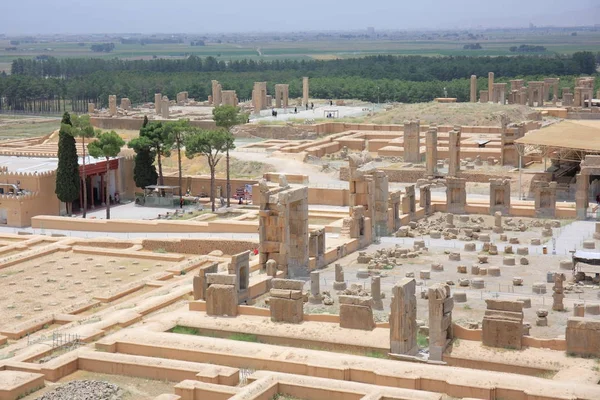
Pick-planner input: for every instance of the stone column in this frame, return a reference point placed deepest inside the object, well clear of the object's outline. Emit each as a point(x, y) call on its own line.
point(473, 88)
point(91, 108)
point(491, 86)
point(339, 283)
point(271, 268)
point(315, 288)
point(498, 222)
point(216, 93)
point(376, 292)
point(454, 152)
point(431, 156)
point(484, 96)
point(112, 105)
point(412, 147)
point(558, 294)
point(425, 198)
point(157, 103)
point(305, 91)
point(164, 108)
point(403, 318)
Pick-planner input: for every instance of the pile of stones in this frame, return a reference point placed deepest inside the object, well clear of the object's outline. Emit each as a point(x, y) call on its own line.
point(390, 257)
point(84, 390)
point(354, 290)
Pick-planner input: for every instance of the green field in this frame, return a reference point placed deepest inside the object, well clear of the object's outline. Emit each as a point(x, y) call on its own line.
point(16, 127)
point(494, 44)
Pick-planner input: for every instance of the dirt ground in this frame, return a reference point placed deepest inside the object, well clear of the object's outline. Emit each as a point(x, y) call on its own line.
point(496, 287)
point(133, 388)
point(58, 280)
point(452, 114)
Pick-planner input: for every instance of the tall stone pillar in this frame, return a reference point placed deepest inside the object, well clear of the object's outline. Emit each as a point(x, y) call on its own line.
point(112, 105)
point(431, 142)
point(339, 283)
point(216, 93)
point(305, 91)
point(454, 151)
point(491, 86)
point(91, 108)
point(376, 292)
point(412, 146)
point(403, 318)
point(425, 198)
point(581, 195)
point(157, 103)
point(473, 88)
point(164, 107)
point(440, 319)
point(315, 288)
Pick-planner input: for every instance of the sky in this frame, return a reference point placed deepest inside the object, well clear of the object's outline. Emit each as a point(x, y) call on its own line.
point(214, 16)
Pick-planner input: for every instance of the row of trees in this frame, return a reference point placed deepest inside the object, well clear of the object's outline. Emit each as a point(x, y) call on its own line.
point(49, 95)
point(416, 68)
point(105, 145)
point(155, 142)
point(158, 139)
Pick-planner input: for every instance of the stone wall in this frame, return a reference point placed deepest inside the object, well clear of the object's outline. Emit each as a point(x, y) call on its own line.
point(134, 124)
point(199, 246)
point(583, 337)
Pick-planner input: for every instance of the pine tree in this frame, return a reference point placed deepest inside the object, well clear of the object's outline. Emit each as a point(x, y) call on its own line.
point(144, 170)
point(67, 173)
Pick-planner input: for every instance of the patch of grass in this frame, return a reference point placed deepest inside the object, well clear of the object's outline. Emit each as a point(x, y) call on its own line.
point(160, 250)
point(185, 330)
point(456, 343)
point(32, 390)
point(422, 340)
point(375, 354)
point(244, 337)
point(467, 307)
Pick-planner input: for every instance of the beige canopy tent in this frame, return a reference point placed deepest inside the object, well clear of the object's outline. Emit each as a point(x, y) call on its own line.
point(567, 140)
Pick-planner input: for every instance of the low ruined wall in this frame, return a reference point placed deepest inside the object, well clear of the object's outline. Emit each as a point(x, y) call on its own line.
point(199, 246)
point(135, 124)
point(475, 335)
point(200, 184)
point(137, 226)
point(288, 132)
point(493, 366)
point(330, 197)
point(291, 178)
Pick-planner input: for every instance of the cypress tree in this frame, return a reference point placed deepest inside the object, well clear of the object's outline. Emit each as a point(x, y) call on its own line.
point(144, 171)
point(67, 172)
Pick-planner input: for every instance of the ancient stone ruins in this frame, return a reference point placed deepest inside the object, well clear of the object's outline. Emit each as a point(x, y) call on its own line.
point(418, 260)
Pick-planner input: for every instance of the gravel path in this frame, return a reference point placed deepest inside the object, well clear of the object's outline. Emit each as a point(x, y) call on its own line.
point(84, 390)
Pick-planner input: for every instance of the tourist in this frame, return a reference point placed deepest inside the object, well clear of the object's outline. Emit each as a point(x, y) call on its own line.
point(598, 199)
point(181, 202)
point(295, 110)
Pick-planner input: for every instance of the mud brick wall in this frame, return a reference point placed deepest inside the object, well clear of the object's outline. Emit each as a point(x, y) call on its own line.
point(199, 246)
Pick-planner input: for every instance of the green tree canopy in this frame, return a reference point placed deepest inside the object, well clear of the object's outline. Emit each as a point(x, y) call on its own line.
point(211, 144)
point(107, 145)
point(67, 172)
point(156, 138)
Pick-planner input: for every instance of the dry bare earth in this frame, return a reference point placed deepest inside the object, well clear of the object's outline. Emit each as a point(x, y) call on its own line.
point(453, 114)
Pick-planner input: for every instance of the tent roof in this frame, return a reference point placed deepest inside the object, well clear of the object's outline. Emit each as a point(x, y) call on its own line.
point(566, 134)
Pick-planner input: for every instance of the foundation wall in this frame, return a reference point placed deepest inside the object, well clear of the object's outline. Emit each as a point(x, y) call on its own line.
point(135, 124)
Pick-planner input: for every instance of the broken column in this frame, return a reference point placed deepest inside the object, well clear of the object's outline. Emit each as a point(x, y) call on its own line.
point(456, 195)
point(305, 91)
point(125, 104)
point(91, 108)
point(473, 89)
point(503, 324)
point(157, 103)
point(431, 142)
point(412, 146)
point(491, 86)
point(356, 312)
point(315, 288)
point(454, 151)
point(558, 294)
point(409, 205)
point(425, 198)
point(545, 199)
point(380, 198)
point(500, 196)
point(376, 292)
point(498, 222)
point(483, 96)
point(403, 318)
point(441, 304)
point(216, 93)
point(286, 303)
point(112, 105)
point(164, 107)
point(339, 283)
point(271, 266)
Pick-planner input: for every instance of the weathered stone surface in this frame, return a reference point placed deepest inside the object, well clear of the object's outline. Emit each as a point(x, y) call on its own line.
point(583, 337)
point(221, 300)
point(286, 310)
point(503, 324)
point(356, 317)
point(287, 284)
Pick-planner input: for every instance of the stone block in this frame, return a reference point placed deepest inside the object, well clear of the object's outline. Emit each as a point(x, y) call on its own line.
point(221, 279)
point(539, 288)
point(286, 310)
point(366, 301)
point(475, 269)
point(494, 271)
point(517, 281)
point(589, 244)
point(437, 267)
point(508, 260)
point(579, 310)
point(221, 300)
point(482, 259)
point(523, 251)
point(425, 274)
point(287, 284)
point(535, 242)
point(583, 337)
point(524, 261)
point(477, 283)
point(461, 269)
point(454, 256)
point(470, 247)
point(483, 271)
point(460, 297)
point(356, 317)
point(484, 237)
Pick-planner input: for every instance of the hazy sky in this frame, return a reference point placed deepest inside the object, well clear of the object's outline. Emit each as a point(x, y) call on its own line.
point(200, 16)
